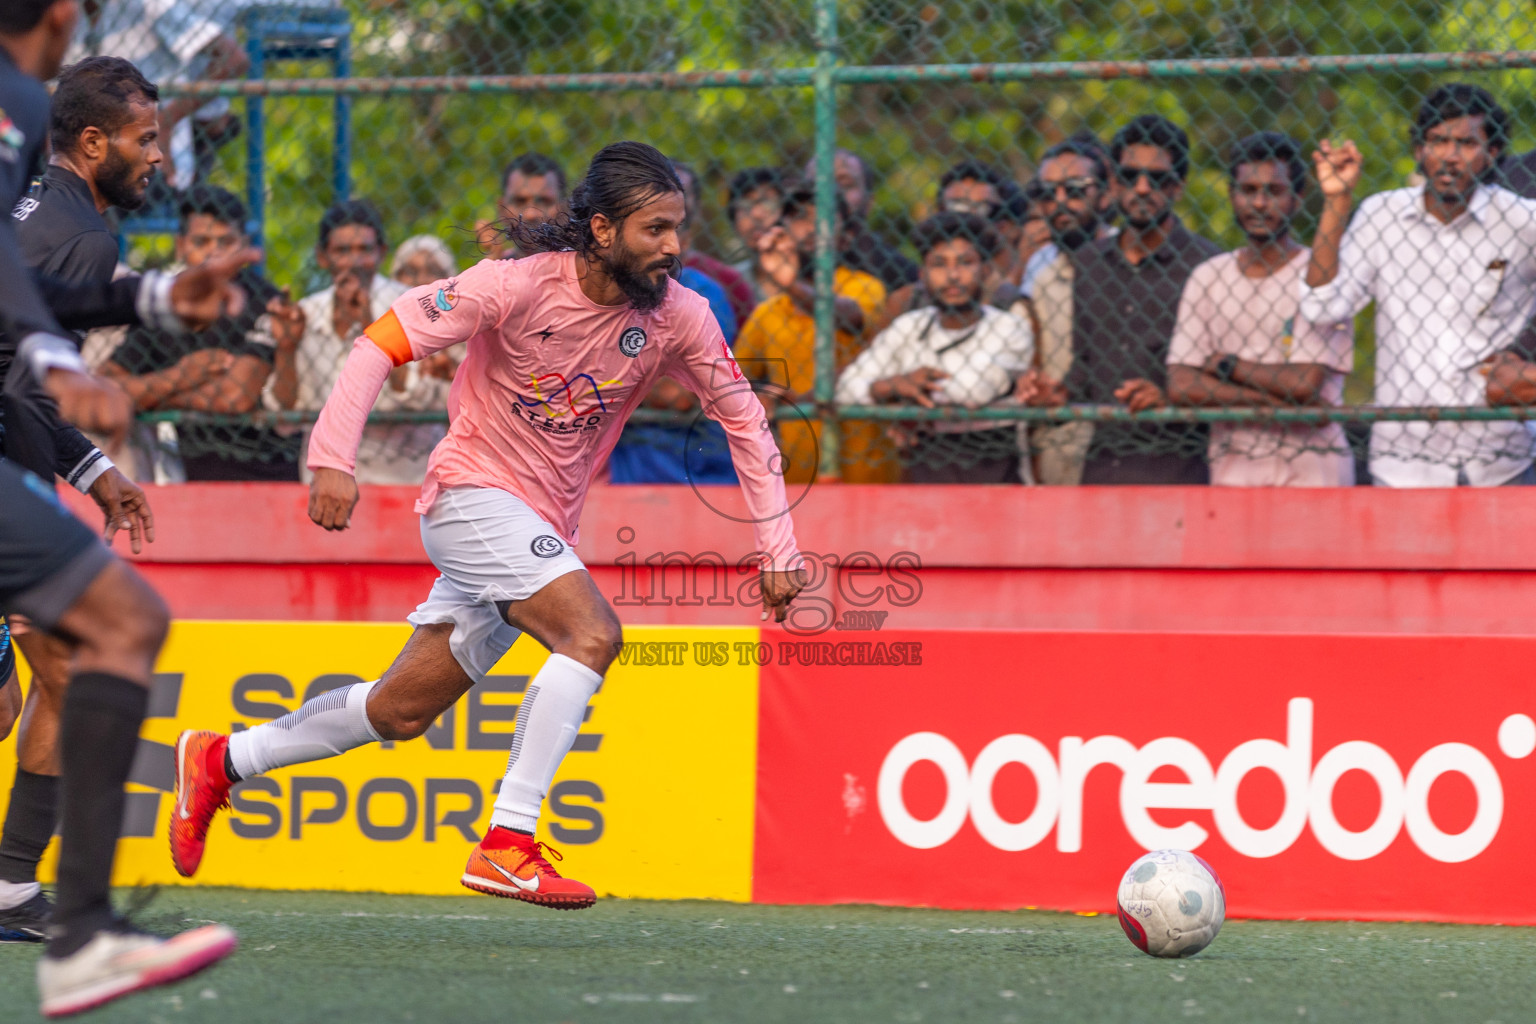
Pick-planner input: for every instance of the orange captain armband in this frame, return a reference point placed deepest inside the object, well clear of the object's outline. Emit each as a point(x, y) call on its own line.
point(387, 333)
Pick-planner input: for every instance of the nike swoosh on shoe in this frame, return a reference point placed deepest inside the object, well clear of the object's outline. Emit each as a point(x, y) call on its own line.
point(523, 884)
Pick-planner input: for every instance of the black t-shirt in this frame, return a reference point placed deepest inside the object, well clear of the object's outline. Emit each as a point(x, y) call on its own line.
point(61, 233)
point(1123, 316)
point(34, 435)
point(211, 451)
point(1518, 174)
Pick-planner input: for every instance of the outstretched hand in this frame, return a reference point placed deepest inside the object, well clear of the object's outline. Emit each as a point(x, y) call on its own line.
point(123, 507)
point(205, 293)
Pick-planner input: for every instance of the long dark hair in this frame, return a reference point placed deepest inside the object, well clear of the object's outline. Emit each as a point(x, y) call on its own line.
point(622, 178)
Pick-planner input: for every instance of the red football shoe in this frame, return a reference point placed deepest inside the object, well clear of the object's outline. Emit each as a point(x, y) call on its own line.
point(512, 865)
point(202, 788)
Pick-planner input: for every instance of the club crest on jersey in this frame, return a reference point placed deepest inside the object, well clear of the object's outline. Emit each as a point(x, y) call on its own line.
point(632, 341)
point(546, 546)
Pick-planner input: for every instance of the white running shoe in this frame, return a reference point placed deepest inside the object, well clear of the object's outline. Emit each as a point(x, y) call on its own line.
point(122, 959)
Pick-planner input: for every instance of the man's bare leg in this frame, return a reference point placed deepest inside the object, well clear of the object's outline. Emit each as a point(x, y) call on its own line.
point(569, 616)
point(37, 745)
point(423, 682)
point(10, 702)
point(117, 627)
point(33, 811)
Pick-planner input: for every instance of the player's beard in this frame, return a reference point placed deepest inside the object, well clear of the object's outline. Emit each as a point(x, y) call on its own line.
point(633, 276)
point(117, 182)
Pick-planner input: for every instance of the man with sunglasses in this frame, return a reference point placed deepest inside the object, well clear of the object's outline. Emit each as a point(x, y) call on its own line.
point(1125, 299)
point(1071, 194)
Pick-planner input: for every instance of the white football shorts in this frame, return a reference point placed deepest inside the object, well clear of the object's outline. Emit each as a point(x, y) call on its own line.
point(489, 546)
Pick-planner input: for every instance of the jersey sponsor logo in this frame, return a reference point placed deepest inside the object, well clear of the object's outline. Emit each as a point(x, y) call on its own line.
point(632, 341)
point(570, 390)
point(447, 296)
point(546, 546)
point(25, 207)
point(562, 405)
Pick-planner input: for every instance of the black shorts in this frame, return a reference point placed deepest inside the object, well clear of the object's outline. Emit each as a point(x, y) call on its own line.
point(47, 556)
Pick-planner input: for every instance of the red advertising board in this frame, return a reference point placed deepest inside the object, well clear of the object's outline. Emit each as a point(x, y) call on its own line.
point(1323, 776)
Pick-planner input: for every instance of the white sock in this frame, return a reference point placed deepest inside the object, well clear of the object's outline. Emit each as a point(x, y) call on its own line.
point(14, 894)
point(547, 722)
point(324, 727)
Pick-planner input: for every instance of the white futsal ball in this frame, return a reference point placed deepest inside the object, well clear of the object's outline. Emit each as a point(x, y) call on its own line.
point(1171, 903)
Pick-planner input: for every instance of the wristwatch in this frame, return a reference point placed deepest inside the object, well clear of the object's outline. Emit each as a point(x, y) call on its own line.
point(1226, 366)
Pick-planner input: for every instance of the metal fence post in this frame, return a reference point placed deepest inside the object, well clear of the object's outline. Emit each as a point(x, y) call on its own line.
point(824, 85)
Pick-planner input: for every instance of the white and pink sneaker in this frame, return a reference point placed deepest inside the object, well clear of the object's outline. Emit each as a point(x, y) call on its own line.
point(122, 959)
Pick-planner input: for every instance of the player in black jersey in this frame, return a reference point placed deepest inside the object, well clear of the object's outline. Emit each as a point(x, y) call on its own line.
point(58, 573)
point(104, 127)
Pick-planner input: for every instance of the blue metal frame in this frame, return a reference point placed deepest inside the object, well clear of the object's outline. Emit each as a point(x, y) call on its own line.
point(295, 33)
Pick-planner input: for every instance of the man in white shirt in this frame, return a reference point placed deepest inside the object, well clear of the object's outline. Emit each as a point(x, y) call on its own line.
point(313, 343)
point(957, 352)
point(1240, 342)
point(1452, 269)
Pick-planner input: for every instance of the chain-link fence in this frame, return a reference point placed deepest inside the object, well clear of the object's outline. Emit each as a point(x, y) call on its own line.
point(991, 241)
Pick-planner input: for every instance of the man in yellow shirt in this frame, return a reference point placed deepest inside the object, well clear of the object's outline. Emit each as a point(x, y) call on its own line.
point(778, 345)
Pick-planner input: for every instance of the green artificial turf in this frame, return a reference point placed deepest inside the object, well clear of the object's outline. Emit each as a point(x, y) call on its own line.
point(334, 958)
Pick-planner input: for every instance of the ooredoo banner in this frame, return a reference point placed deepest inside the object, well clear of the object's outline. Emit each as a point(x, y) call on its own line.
point(654, 801)
point(1378, 777)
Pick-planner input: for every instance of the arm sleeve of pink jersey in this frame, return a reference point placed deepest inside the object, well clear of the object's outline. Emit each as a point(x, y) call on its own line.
point(333, 443)
point(434, 316)
point(422, 321)
point(707, 368)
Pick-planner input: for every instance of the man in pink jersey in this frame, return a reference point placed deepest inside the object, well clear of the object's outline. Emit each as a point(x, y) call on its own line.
point(563, 344)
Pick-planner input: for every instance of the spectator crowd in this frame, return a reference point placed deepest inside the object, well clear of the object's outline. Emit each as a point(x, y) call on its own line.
point(1078, 287)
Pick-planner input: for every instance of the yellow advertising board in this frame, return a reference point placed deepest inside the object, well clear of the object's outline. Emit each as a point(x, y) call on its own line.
point(654, 801)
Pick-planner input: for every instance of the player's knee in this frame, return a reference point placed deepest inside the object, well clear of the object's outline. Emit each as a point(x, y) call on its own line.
point(404, 722)
point(398, 726)
point(146, 623)
point(597, 644)
point(10, 710)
